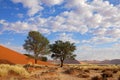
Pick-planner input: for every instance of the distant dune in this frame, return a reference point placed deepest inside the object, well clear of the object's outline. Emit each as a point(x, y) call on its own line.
point(13, 57)
point(67, 61)
point(113, 61)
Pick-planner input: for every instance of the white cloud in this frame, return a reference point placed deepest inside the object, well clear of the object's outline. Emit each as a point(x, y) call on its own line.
point(23, 27)
point(20, 27)
point(32, 5)
point(82, 18)
point(99, 32)
point(91, 53)
point(104, 8)
point(66, 37)
point(94, 21)
point(100, 40)
point(115, 33)
point(74, 3)
point(2, 21)
point(71, 23)
point(105, 35)
point(52, 2)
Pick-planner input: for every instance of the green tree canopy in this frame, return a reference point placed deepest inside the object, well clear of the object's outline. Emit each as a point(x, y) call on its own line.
point(62, 50)
point(37, 44)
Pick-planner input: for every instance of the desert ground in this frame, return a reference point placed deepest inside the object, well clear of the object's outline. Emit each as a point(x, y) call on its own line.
point(54, 72)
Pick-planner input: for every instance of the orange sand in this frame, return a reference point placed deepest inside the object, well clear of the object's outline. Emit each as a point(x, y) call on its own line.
point(17, 58)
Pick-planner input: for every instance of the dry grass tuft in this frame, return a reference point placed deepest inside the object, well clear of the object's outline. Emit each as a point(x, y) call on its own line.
point(107, 74)
point(119, 78)
point(96, 78)
point(72, 71)
point(6, 69)
point(83, 75)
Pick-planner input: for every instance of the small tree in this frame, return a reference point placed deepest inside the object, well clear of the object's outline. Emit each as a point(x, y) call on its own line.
point(62, 50)
point(36, 43)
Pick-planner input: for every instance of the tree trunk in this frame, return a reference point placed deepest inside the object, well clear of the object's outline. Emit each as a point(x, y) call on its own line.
point(35, 61)
point(61, 63)
point(36, 57)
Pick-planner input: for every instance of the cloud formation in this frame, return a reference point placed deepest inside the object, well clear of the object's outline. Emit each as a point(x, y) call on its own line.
point(67, 37)
point(99, 18)
point(52, 2)
point(90, 53)
point(32, 5)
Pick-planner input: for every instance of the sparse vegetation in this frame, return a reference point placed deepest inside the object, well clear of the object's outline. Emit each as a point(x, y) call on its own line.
point(3, 72)
point(83, 75)
point(6, 69)
point(68, 72)
point(107, 74)
point(72, 71)
point(96, 78)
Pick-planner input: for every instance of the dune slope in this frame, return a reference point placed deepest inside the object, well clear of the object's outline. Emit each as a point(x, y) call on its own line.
point(17, 58)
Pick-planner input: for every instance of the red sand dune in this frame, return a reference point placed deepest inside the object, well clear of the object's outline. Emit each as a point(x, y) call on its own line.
point(17, 58)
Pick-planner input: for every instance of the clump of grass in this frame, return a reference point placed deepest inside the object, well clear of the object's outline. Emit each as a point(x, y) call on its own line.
point(20, 70)
point(119, 78)
point(5, 69)
point(72, 71)
point(3, 72)
point(107, 74)
point(83, 76)
point(87, 70)
point(115, 70)
point(96, 78)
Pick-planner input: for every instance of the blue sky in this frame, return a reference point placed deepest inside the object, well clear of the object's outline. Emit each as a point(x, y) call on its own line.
point(93, 25)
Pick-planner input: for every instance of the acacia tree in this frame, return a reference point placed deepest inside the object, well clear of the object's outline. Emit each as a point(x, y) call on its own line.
point(62, 50)
point(37, 44)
